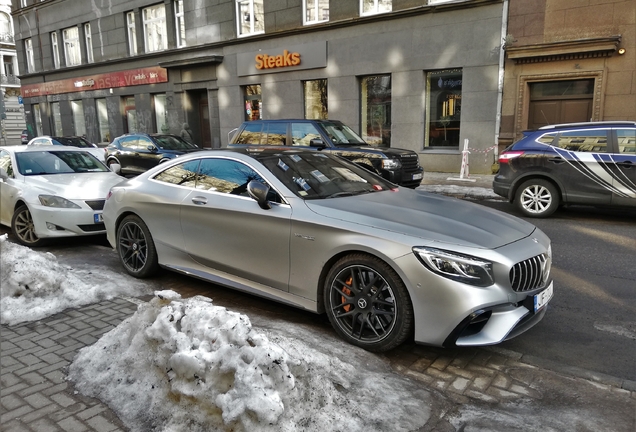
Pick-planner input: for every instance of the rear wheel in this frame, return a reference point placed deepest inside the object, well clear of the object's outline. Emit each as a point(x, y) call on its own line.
point(537, 198)
point(23, 228)
point(136, 248)
point(367, 303)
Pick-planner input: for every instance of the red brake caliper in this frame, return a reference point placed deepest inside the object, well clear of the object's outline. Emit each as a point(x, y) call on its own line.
point(347, 291)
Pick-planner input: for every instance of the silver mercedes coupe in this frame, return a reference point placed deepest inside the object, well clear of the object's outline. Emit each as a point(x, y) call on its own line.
point(318, 232)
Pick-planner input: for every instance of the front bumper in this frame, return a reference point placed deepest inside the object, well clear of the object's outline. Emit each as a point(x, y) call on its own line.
point(59, 222)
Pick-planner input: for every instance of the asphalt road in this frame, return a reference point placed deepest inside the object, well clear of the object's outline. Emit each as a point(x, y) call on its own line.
point(591, 321)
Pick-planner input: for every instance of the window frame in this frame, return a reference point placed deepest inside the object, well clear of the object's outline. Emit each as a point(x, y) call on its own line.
point(385, 115)
point(376, 8)
point(433, 98)
point(88, 40)
point(154, 23)
point(55, 47)
point(72, 51)
point(316, 8)
point(29, 54)
point(252, 17)
point(131, 31)
point(179, 23)
point(306, 101)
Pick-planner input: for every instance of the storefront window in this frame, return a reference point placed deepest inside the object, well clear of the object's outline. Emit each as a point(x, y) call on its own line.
point(443, 108)
point(57, 119)
point(78, 117)
point(131, 114)
point(155, 28)
point(375, 105)
point(72, 53)
point(253, 102)
point(316, 11)
point(161, 114)
point(315, 92)
point(250, 17)
point(37, 117)
point(372, 7)
point(102, 120)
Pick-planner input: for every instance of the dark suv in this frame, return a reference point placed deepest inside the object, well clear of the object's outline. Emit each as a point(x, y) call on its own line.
point(138, 152)
point(399, 166)
point(578, 163)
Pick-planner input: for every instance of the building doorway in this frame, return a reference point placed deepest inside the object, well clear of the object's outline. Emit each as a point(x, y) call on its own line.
point(555, 102)
point(204, 121)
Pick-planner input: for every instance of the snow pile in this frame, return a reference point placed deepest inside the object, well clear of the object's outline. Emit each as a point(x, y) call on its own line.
point(34, 285)
point(187, 365)
point(475, 192)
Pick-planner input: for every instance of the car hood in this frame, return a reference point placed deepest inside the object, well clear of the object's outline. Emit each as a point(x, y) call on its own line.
point(427, 216)
point(388, 151)
point(75, 186)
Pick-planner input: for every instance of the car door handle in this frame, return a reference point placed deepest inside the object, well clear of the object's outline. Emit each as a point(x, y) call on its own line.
point(625, 164)
point(557, 160)
point(199, 200)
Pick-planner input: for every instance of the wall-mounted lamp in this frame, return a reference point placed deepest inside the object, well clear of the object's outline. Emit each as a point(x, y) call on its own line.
point(111, 91)
point(621, 51)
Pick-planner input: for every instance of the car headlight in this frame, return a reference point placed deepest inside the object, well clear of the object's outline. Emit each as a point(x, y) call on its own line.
point(391, 164)
point(58, 202)
point(462, 268)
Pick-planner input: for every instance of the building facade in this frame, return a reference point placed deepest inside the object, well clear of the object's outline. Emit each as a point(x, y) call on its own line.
point(416, 74)
point(567, 62)
point(12, 121)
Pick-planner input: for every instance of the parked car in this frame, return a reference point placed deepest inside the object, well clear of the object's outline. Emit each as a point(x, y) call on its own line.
point(316, 231)
point(399, 166)
point(52, 191)
point(138, 152)
point(590, 163)
point(24, 137)
point(73, 141)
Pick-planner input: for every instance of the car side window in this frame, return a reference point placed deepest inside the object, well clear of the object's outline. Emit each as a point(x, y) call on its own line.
point(547, 138)
point(184, 174)
point(277, 134)
point(251, 134)
point(626, 141)
point(5, 162)
point(226, 176)
point(590, 140)
point(303, 133)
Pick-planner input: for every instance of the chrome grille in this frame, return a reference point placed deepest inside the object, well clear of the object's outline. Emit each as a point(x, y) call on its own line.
point(96, 204)
point(530, 274)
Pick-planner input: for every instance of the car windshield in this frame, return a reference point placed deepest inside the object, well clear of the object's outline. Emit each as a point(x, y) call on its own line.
point(341, 134)
point(170, 142)
point(315, 175)
point(57, 162)
point(71, 141)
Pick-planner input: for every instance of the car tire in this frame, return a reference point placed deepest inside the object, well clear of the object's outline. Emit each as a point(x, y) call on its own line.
point(537, 198)
point(367, 303)
point(23, 228)
point(135, 248)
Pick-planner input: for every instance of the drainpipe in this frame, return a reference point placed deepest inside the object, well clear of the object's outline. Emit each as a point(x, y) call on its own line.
point(500, 83)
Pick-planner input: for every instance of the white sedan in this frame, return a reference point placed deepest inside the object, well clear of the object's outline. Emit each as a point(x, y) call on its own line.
point(73, 141)
point(52, 191)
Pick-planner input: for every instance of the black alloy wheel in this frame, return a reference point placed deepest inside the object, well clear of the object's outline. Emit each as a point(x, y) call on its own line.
point(136, 248)
point(23, 227)
point(367, 303)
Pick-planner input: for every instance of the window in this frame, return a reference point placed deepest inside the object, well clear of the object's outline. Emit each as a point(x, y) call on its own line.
point(56, 50)
point(626, 141)
point(253, 102)
point(226, 176)
point(303, 133)
point(132, 33)
point(131, 114)
point(372, 7)
point(250, 17)
point(184, 174)
point(315, 94)
point(251, 134)
point(37, 118)
point(57, 118)
point(8, 66)
point(315, 11)
point(443, 108)
point(5, 26)
point(28, 50)
point(376, 110)
point(88, 38)
point(179, 23)
point(72, 52)
point(161, 115)
point(154, 18)
point(102, 120)
point(78, 117)
point(589, 141)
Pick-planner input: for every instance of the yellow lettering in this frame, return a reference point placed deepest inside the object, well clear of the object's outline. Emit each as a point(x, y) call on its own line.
point(295, 59)
point(259, 61)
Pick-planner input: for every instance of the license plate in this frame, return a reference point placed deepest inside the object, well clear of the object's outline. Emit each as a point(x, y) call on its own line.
point(98, 218)
point(542, 299)
point(417, 176)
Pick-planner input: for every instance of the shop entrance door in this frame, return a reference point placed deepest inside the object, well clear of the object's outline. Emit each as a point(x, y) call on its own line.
point(204, 121)
point(557, 102)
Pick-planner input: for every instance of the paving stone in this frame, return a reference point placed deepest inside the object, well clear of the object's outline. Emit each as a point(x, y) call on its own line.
point(501, 394)
point(441, 362)
point(459, 385)
point(15, 426)
point(100, 424)
point(481, 383)
point(69, 411)
point(439, 374)
point(91, 412)
point(30, 369)
point(45, 425)
point(497, 361)
point(28, 359)
point(37, 400)
point(13, 389)
point(59, 365)
point(526, 391)
point(481, 358)
point(525, 375)
point(33, 378)
point(16, 413)
point(26, 344)
point(461, 372)
point(50, 358)
point(421, 364)
point(481, 396)
point(55, 389)
point(501, 381)
point(34, 389)
point(6, 346)
point(63, 400)
point(9, 379)
point(11, 402)
point(71, 424)
point(7, 360)
point(41, 412)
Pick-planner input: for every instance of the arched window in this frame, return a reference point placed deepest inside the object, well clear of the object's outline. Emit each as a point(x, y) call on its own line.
point(5, 25)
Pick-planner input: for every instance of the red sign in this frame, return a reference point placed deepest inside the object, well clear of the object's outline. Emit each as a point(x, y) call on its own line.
point(150, 75)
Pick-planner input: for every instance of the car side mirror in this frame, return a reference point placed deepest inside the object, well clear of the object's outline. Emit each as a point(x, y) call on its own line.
point(116, 168)
point(317, 143)
point(258, 191)
point(152, 148)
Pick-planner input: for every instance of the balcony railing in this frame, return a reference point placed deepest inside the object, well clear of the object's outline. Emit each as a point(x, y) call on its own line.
point(10, 79)
point(7, 37)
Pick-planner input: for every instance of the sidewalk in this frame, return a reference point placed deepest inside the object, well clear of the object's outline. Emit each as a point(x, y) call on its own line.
point(474, 187)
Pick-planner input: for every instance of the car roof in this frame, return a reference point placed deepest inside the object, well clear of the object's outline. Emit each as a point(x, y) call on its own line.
point(294, 120)
point(588, 124)
point(23, 148)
